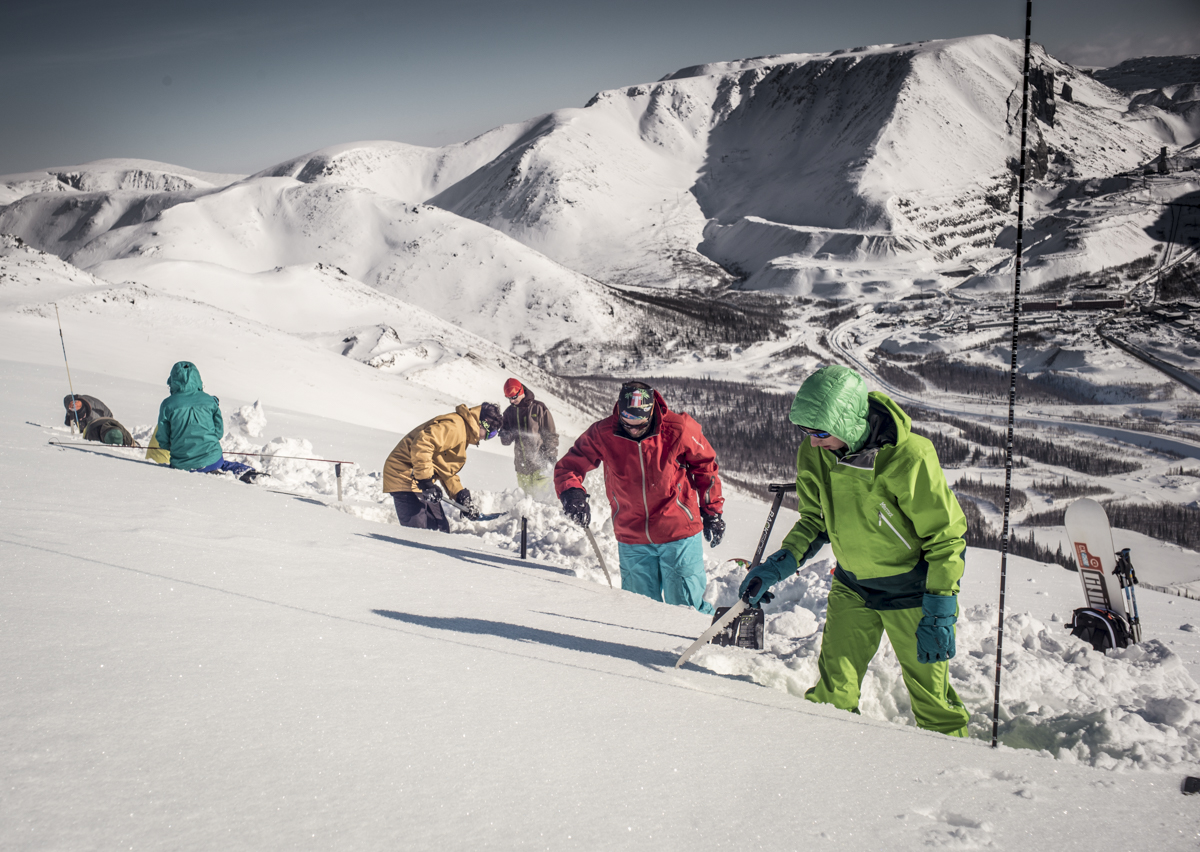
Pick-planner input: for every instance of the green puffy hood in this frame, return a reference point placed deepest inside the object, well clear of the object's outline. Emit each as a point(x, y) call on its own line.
point(834, 400)
point(185, 378)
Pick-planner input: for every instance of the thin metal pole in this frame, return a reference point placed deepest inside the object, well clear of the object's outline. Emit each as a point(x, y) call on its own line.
point(337, 471)
point(226, 452)
point(70, 385)
point(1012, 374)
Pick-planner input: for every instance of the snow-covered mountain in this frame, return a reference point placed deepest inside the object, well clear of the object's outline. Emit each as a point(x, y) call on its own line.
point(828, 173)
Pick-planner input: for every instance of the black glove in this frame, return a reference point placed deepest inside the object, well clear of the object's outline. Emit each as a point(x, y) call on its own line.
point(463, 498)
point(754, 585)
point(507, 436)
point(575, 506)
point(714, 529)
point(430, 492)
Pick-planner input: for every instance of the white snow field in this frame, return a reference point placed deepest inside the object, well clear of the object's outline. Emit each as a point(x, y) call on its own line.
point(194, 663)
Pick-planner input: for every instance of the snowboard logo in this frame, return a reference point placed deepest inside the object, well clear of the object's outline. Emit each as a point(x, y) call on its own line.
point(1086, 559)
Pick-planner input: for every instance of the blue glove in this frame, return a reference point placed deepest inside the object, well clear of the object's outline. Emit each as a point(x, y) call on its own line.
point(935, 630)
point(778, 566)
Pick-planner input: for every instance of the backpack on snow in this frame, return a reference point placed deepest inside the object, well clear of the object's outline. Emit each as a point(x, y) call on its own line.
point(1100, 628)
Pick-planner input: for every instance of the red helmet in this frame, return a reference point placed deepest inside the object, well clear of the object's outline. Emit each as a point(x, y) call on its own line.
point(513, 388)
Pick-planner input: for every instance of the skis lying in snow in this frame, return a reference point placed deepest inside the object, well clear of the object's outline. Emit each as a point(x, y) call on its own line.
point(101, 449)
point(752, 625)
point(1107, 577)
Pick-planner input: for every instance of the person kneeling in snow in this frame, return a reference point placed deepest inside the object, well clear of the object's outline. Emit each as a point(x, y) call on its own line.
point(877, 493)
point(437, 449)
point(95, 421)
point(82, 409)
point(661, 478)
point(190, 427)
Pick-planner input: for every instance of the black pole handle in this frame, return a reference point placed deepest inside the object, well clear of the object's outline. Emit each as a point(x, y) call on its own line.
point(779, 489)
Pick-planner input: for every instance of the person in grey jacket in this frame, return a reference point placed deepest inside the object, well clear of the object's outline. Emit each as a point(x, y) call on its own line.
point(529, 425)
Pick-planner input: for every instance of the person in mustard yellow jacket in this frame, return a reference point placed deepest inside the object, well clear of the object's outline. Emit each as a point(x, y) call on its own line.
point(435, 452)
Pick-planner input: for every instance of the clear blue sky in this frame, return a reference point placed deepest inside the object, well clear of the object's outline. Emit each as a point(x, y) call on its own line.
point(238, 86)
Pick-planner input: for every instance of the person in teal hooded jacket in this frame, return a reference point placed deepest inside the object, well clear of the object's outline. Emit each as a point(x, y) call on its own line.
point(877, 494)
point(190, 426)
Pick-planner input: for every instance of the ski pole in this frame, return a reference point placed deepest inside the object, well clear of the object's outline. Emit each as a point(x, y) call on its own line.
point(296, 458)
point(70, 385)
point(1012, 373)
point(225, 452)
point(1128, 579)
point(599, 555)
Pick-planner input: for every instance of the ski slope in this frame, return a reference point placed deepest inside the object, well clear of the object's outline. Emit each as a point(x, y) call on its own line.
point(195, 662)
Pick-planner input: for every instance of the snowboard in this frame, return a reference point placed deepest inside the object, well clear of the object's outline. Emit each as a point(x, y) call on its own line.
point(1091, 541)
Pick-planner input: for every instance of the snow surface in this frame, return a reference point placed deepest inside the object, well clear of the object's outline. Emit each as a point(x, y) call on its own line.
point(194, 662)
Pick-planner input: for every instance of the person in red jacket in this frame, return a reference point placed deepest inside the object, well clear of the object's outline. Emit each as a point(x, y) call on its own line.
point(660, 475)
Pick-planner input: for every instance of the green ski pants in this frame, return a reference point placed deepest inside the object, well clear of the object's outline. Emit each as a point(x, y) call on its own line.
point(851, 638)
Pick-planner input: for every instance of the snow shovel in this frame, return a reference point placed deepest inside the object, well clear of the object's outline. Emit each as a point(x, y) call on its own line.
point(744, 602)
point(462, 511)
point(599, 555)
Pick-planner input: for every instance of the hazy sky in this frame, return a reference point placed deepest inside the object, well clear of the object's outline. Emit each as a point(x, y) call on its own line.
point(238, 86)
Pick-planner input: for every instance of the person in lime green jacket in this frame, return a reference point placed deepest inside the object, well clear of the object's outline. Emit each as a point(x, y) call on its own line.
point(877, 494)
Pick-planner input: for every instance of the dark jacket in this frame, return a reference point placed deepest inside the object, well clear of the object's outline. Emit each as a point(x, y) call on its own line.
point(99, 429)
point(190, 425)
point(90, 408)
point(531, 426)
point(659, 485)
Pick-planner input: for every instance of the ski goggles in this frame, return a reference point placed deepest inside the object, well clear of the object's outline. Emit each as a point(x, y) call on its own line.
point(636, 416)
point(813, 433)
point(514, 396)
point(487, 430)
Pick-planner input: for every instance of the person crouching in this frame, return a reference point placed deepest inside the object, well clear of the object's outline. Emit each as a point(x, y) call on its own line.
point(435, 452)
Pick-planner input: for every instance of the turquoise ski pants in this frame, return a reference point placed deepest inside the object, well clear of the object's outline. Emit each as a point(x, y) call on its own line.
point(671, 572)
point(851, 638)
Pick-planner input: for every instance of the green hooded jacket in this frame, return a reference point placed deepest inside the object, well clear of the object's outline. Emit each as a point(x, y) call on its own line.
point(894, 524)
point(190, 425)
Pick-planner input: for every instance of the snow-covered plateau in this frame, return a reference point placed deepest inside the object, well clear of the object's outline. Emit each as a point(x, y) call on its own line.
point(193, 663)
